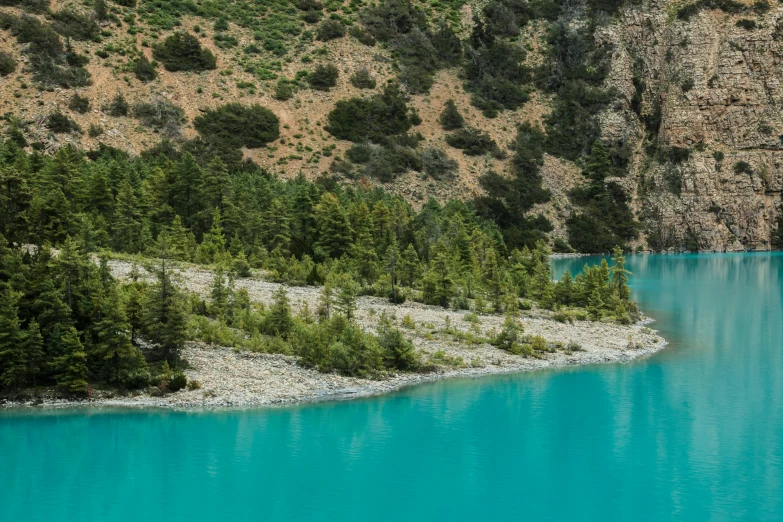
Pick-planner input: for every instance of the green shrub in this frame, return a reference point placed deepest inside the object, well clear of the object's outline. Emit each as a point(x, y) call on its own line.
point(392, 18)
point(284, 90)
point(473, 142)
point(160, 114)
point(144, 70)
point(362, 35)
point(94, 131)
point(59, 123)
point(450, 118)
point(225, 41)
point(362, 79)
point(746, 24)
point(687, 84)
point(374, 119)
point(183, 52)
point(234, 125)
point(74, 25)
point(330, 30)
point(80, 104)
point(323, 77)
point(7, 63)
point(437, 163)
point(118, 106)
point(177, 382)
point(742, 167)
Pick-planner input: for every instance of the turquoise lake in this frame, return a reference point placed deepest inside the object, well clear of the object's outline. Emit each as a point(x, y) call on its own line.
point(692, 433)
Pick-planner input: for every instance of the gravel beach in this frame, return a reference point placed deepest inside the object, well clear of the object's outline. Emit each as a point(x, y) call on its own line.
point(231, 379)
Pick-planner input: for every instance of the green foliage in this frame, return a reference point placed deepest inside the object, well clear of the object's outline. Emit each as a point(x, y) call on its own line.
point(362, 79)
point(473, 142)
point(183, 52)
point(59, 123)
point(177, 382)
point(727, 6)
point(7, 63)
point(437, 164)
point(284, 90)
point(330, 30)
point(118, 106)
point(160, 114)
point(80, 104)
point(144, 70)
point(74, 25)
point(372, 119)
point(323, 77)
point(450, 118)
point(234, 125)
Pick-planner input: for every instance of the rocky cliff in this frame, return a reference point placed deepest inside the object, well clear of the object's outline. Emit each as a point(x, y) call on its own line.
point(710, 86)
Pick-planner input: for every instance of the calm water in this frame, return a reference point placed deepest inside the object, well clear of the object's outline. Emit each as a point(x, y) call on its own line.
point(693, 433)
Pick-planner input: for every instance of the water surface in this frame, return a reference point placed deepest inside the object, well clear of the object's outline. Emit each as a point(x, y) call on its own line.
point(692, 433)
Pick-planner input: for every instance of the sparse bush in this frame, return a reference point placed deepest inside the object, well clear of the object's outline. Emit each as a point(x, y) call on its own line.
point(160, 114)
point(144, 70)
point(362, 35)
point(284, 90)
point(183, 52)
point(7, 63)
point(330, 30)
point(94, 131)
point(362, 79)
point(450, 118)
point(75, 25)
point(746, 23)
point(118, 106)
point(80, 104)
point(742, 167)
point(323, 77)
point(473, 142)
point(437, 163)
point(687, 84)
point(59, 123)
point(235, 125)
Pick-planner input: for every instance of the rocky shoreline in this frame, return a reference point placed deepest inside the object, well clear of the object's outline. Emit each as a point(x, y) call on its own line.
point(231, 379)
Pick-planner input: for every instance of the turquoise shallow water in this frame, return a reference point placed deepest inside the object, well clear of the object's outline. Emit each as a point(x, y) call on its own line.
point(692, 433)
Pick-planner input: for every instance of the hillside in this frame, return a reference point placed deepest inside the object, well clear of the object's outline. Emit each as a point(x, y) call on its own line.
point(655, 124)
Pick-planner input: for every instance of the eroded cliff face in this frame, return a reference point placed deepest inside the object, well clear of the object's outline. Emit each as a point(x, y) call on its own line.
point(712, 92)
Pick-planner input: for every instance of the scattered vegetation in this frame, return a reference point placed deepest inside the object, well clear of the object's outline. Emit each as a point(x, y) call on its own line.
point(234, 125)
point(182, 52)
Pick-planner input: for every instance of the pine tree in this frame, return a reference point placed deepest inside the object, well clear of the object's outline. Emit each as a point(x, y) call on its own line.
point(599, 164)
point(363, 247)
point(15, 198)
point(346, 296)
point(410, 266)
point(438, 283)
point(392, 260)
point(276, 228)
point(564, 289)
point(450, 118)
point(327, 298)
point(620, 275)
point(595, 305)
point(72, 366)
point(183, 242)
point(116, 355)
point(33, 349)
point(186, 192)
point(303, 226)
point(164, 308)
point(279, 321)
point(13, 361)
point(333, 227)
point(214, 243)
point(221, 292)
point(216, 186)
point(127, 221)
point(493, 279)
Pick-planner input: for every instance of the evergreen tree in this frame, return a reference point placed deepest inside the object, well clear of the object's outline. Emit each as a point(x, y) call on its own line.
point(72, 366)
point(409, 266)
point(15, 199)
point(279, 320)
point(363, 247)
point(327, 298)
point(216, 186)
point(595, 305)
point(450, 118)
point(493, 279)
point(620, 276)
point(346, 296)
point(221, 292)
point(33, 349)
point(438, 283)
point(127, 221)
point(392, 260)
point(117, 356)
point(164, 307)
point(186, 191)
point(214, 243)
point(333, 227)
point(276, 228)
point(564, 289)
point(13, 360)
